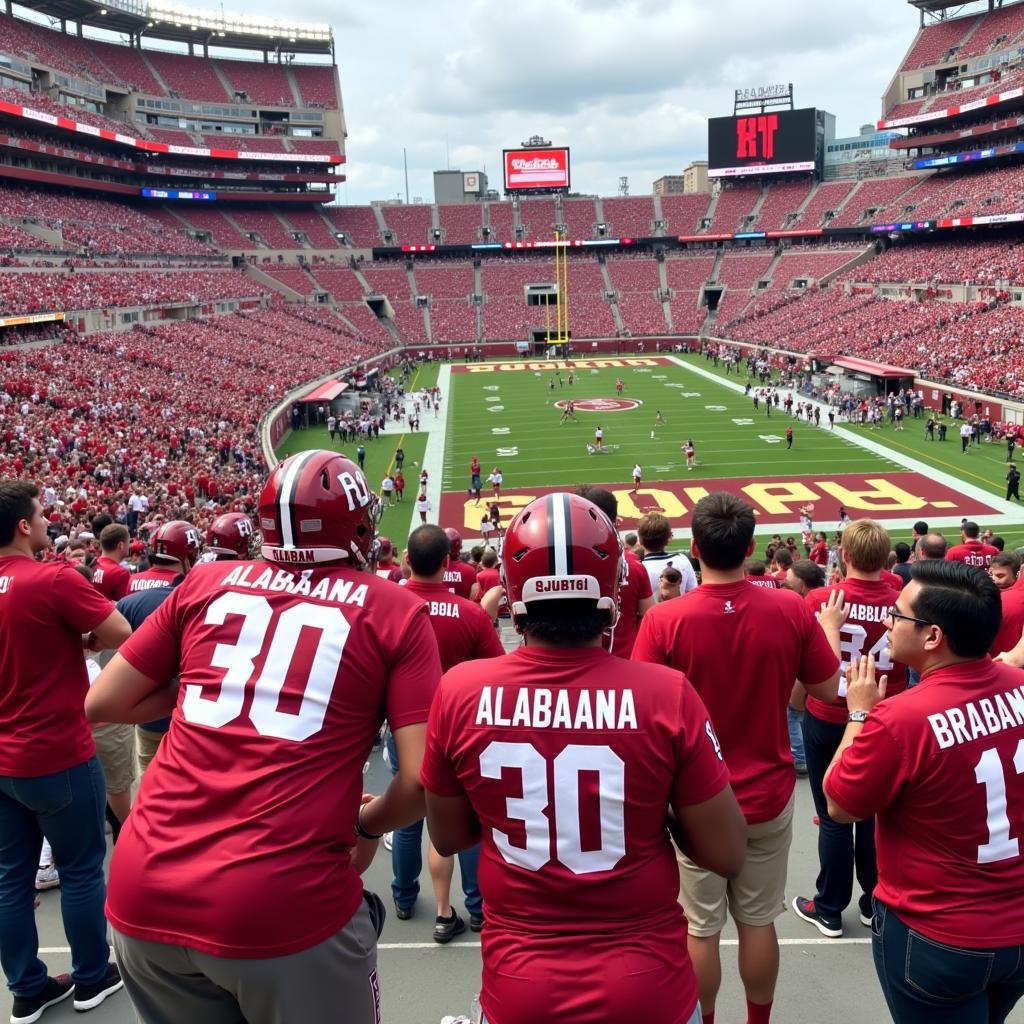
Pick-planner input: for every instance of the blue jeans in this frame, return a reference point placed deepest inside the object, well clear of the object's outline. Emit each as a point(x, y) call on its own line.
point(68, 807)
point(407, 859)
point(928, 982)
point(796, 736)
point(842, 849)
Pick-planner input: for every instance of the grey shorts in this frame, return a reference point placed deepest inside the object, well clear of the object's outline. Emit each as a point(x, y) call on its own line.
point(170, 984)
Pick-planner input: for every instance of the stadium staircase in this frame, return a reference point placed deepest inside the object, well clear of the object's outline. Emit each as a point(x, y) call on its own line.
point(751, 217)
point(709, 216)
point(364, 284)
point(382, 225)
point(659, 217)
point(53, 238)
point(865, 257)
point(769, 274)
point(272, 284)
point(620, 324)
point(666, 305)
point(847, 199)
point(794, 218)
point(717, 268)
point(294, 86)
point(224, 81)
point(259, 242)
point(599, 213)
point(287, 228)
point(414, 290)
point(153, 71)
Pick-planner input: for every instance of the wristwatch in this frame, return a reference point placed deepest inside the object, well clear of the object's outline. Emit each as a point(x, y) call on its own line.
point(857, 716)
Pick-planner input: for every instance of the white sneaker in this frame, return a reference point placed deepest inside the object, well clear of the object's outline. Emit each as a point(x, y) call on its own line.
point(47, 878)
point(388, 840)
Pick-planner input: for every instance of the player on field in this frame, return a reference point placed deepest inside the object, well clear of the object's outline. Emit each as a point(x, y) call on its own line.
point(659, 420)
point(619, 385)
point(637, 474)
point(691, 454)
point(531, 753)
point(234, 888)
point(845, 851)
point(768, 638)
point(939, 769)
point(464, 632)
point(599, 438)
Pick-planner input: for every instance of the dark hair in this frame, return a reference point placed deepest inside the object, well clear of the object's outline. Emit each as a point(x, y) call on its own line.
point(427, 549)
point(723, 527)
point(112, 535)
point(603, 499)
point(755, 567)
point(902, 550)
point(971, 530)
point(567, 623)
point(809, 573)
point(489, 559)
point(962, 600)
point(782, 556)
point(997, 542)
point(671, 576)
point(1008, 560)
point(16, 497)
point(932, 546)
point(99, 522)
point(920, 527)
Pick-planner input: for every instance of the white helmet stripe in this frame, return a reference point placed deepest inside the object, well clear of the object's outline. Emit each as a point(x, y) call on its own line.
point(559, 531)
point(285, 494)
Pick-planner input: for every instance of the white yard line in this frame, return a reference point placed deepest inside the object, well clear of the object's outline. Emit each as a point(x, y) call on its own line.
point(1010, 515)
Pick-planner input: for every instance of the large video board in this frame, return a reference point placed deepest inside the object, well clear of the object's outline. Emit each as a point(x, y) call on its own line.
point(777, 142)
point(536, 170)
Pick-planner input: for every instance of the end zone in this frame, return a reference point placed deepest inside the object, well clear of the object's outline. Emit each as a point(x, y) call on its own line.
point(549, 365)
point(897, 500)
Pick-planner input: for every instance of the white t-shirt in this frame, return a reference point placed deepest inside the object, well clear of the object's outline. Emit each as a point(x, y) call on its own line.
point(138, 503)
point(637, 471)
point(387, 484)
point(495, 478)
point(674, 560)
point(423, 505)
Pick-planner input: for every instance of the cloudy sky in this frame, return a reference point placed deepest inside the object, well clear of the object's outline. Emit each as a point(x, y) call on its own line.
point(627, 84)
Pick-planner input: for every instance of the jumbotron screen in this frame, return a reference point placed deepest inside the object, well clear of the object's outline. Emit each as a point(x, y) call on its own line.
point(541, 170)
point(776, 142)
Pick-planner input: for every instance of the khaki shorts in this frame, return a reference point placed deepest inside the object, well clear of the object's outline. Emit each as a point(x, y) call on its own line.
point(149, 743)
point(757, 896)
point(115, 745)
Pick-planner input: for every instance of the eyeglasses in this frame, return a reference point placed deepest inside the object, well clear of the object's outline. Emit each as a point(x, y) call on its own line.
point(894, 615)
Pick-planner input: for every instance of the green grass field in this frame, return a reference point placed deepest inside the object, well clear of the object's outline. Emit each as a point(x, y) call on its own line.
point(509, 419)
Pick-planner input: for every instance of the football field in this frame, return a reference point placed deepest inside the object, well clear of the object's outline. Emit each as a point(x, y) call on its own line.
point(509, 414)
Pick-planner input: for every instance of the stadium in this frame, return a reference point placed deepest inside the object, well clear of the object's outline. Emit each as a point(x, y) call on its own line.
point(184, 301)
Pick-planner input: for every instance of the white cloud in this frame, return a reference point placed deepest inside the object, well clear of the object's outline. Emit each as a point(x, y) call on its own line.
point(627, 84)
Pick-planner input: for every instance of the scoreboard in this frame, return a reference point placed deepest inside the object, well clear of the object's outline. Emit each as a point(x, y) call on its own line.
point(536, 170)
point(774, 142)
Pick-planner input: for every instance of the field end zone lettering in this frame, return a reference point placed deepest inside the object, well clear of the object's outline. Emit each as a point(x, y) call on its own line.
point(576, 364)
point(509, 504)
point(884, 496)
point(775, 499)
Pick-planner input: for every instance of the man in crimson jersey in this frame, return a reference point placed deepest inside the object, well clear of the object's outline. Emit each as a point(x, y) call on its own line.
point(742, 647)
point(844, 849)
point(110, 577)
point(565, 764)
point(971, 550)
point(636, 594)
point(234, 888)
point(940, 771)
point(459, 576)
point(464, 632)
point(174, 550)
point(50, 778)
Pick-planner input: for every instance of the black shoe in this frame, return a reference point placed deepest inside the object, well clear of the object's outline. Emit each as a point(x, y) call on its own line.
point(476, 922)
point(27, 1009)
point(404, 913)
point(446, 928)
point(88, 997)
point(866, 911)
point(806, 909)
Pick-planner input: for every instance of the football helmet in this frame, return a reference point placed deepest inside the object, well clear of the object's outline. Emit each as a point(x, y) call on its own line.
point(385, 551)
point(561, 546)
point(176, 540)
point(231, 534)
point(454, 542)
point(316, 507)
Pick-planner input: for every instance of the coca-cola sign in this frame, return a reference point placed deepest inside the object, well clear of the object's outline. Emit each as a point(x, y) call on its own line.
point(541, 169)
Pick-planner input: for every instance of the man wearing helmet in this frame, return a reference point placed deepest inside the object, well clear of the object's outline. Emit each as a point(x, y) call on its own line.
point(174, 549)
point(235, 890)
point(459, 576)
point(231, 536)
point(551, 744)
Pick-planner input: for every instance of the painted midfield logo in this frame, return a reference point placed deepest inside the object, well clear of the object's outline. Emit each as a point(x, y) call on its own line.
point(602, 404)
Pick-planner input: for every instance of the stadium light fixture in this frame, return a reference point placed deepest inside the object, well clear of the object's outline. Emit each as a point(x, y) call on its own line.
point(239, 23)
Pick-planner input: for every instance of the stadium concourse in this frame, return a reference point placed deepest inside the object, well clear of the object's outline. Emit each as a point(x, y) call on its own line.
point(180, 300)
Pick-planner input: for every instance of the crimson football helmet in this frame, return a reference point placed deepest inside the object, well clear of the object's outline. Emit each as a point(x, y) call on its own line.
point(177, 540)
point(231, 534)
point(454, 542)
point(316, 507)
point(561, 546)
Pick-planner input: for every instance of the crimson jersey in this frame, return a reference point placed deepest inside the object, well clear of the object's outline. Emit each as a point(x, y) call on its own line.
point(459, 578)
point(972, 552)
point(111, 578)
point(488, 580)
point(286, 675)
point(863, 632)
point(940, 768)
point(768, 582)
point(570, 760)
point(152, 579)
point(743, 647)
point(636, 587)
point(45, 607)
point(463, 629)
point(1013, 621)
